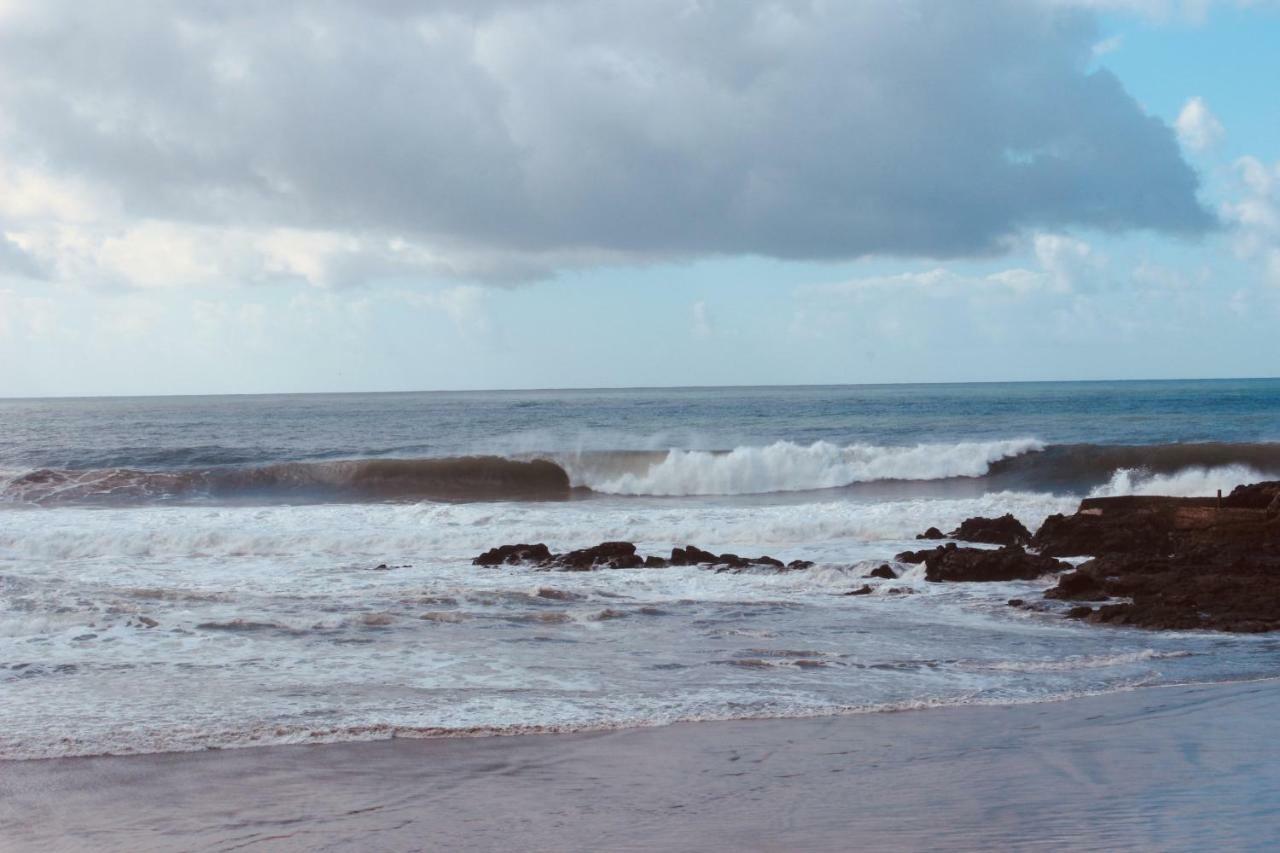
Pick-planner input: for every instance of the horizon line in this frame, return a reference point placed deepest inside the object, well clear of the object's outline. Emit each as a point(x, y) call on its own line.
point(581, 388)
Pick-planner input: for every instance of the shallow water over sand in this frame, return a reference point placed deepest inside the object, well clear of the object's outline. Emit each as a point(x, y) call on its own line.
point(1172, 769)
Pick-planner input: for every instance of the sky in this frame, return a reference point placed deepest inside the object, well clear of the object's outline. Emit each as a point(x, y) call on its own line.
point(238, 197)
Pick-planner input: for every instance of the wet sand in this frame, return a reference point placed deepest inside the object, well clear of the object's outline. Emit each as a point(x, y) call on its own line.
point(1180, 768)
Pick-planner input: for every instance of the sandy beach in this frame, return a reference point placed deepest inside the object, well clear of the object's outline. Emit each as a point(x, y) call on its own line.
point(1174, 768)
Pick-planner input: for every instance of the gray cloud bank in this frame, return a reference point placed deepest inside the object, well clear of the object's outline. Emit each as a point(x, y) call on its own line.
point(509, 139)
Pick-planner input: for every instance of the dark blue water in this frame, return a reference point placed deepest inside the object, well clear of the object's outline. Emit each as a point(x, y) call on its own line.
point(179, 432)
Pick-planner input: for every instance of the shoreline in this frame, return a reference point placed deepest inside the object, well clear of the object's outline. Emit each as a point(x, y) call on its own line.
point(1167, 767)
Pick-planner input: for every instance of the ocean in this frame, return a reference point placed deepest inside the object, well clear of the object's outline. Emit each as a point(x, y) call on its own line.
point(186, 573)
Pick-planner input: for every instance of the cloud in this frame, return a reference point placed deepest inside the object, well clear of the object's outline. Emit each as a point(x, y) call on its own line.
point(1066, 265)
point(1255, 216)
point(336, 142)
point(1198, 128)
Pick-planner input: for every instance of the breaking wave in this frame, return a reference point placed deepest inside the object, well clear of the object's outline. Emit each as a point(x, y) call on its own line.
point(1187, 483)
point(787, 467)
point(954, 469)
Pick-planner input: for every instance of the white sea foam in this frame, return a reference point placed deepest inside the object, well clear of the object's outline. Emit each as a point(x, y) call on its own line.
point(1189, 482)
point(788, 467)
point(402, 532)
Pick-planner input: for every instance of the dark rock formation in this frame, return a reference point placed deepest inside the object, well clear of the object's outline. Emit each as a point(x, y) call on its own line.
point(1078, 586)
point(606, 555)
point(1005, 530)
point(864, 590)
point(512, 555)
point(691, 555)
point(622, 555)
point(1264, 496)
point(932, 533)
point(951, 563)
point(883, 572)
point(1212, 587)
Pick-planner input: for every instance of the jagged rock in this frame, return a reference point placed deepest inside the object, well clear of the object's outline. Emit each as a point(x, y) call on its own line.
point(691, 555)
point(953, 564)
point(1161, 525)
point(606, 555)
point(932, 533)
point(797, 565)
point(1078, 586)
point(864, 590)
point(1005, 530)
point(1209, 587)
point(652, 562)
point(513, 555)
point(883, 572)
point(1080, 612)
point(1264, 496)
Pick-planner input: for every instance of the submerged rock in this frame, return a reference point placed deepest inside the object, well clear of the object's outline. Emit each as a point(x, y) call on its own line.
point(883, 572)
point(932, 533)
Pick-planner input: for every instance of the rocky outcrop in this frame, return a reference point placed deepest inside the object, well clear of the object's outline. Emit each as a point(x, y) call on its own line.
point(606, 555)
point(952, 563)
point(1203, 587)
point(1005, 530)
point(932, 533)
point(884, 572)
point(1173, 563)
point(512, 555)
point(622, 555)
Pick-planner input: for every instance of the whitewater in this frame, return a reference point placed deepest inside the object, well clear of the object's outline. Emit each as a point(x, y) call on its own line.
point(186, 573)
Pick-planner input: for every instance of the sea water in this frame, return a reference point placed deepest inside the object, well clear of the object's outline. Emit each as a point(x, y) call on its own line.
point(195, 572)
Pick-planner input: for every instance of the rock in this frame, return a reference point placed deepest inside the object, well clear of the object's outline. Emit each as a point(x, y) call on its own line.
point(797, 565)
point(1161, 525)
point(652, 562)
point(883, 572)
point(865, 590)
point(1078, 586)
point(1090, 533)
point(981, 564)
point(1206, 587)
point(1005, 530)
point(916, 557)
point(557, 594)
point(691, 555)
point(1263, 496)
point(1080, 612)
point(931, 533)
point(513, 555)
point(769, 561)
point(1016, 602)
point(147, 622)
point(606, 555)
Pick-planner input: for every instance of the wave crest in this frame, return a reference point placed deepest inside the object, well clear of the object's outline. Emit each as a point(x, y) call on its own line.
point(788, 467)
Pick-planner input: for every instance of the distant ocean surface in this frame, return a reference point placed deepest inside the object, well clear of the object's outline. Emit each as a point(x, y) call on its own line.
point(193, 572)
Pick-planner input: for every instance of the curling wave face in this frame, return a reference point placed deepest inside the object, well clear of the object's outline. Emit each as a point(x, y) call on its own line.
point(1020, 464)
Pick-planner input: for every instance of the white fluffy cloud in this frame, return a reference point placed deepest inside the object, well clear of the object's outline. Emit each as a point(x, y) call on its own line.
point(336, 141)
point(1198, 128)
